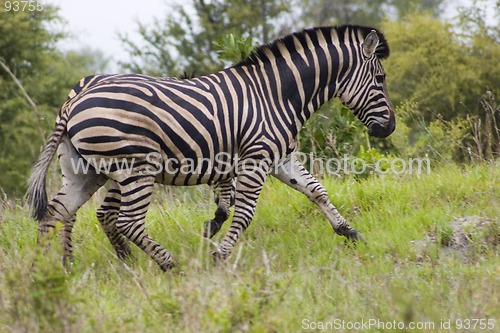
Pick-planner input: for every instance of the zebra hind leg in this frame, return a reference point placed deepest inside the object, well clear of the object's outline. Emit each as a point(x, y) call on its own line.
point(107, 214)
point(135, 199)
point(224, 201)
point(73, 194)
point(77, 188)
point(65, 236)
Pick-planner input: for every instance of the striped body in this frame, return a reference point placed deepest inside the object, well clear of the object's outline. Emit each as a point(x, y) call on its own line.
point(173, 121)
point(236, 124)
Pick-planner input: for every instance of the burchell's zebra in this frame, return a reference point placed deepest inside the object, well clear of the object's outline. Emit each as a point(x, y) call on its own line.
point(208, 130)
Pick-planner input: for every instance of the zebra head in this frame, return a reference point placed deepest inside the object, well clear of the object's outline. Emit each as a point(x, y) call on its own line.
point(365, 90)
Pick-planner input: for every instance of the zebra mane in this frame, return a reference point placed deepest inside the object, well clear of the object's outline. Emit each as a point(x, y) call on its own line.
point(261, 52)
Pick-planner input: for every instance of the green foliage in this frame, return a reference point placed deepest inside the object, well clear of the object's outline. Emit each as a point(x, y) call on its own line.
point(27, 49)
point(370, 161)
point(403, 8)
point(460, 139)
point(363, 12)
point(428, 63)
point(438, 139)
point(333, 131)
point(441, 75)
point(19, 29)
point(40, 295)
point(24, 43)
point(54, 305)
point(232, 49)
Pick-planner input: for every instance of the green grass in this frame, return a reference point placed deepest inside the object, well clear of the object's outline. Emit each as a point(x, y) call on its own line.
point(288, 271)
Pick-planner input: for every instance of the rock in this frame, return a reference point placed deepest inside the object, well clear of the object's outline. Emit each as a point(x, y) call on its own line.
point(468, 236)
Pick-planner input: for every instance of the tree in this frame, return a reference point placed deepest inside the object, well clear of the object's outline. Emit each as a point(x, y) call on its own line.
point(24, 44)
point(447, 72)
point(34, 81)
point(327, 12)
point(184, 43)
point(441, 70)
point(362, 12)
point(403, 8)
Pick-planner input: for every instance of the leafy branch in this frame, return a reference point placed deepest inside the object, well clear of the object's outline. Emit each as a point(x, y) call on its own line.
point(27, 97)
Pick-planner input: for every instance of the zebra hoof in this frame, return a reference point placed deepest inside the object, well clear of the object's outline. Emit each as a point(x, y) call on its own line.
point(123, 253)
point(219, 257)
point(211, 228)
point(353, 237)
point(169, 265)
point(68, 263)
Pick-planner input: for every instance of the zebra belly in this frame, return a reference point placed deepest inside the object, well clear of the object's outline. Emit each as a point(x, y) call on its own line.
point(193, 170)
point(123, 156)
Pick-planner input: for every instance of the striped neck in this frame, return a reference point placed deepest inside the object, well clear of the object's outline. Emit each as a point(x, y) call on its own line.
point(308, 68)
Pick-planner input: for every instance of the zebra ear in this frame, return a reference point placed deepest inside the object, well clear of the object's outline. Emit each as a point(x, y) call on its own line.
point(370, 44)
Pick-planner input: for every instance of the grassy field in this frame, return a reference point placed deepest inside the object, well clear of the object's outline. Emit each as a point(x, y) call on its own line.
point(289, 273)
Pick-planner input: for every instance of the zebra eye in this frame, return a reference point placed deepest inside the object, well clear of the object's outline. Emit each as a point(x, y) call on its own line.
point(380, 78)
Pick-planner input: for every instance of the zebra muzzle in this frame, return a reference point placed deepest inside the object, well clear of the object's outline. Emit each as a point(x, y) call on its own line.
point(380, 131)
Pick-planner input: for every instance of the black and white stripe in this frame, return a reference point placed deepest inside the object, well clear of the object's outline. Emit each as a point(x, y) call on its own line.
point(252, 111)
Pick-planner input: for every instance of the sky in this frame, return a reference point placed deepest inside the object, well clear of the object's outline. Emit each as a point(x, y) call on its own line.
point(96, 23)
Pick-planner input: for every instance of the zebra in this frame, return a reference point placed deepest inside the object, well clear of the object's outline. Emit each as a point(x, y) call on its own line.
point(251, 111)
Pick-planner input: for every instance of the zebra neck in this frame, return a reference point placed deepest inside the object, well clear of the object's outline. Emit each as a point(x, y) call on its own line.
point(293, 77)
point(302, 88)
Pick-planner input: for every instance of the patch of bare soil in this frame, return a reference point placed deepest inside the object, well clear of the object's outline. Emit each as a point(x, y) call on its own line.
point(468, 237)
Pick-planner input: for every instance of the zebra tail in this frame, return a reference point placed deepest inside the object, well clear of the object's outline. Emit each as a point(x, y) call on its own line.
point(36, 195)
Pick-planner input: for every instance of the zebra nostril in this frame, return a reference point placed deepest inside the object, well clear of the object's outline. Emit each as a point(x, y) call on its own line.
point(380, 131)
point(376, 131)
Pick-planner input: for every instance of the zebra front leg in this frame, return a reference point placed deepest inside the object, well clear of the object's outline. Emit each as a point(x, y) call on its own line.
point(292, 173)
point(135, 199)
point(224, 201)
point(248, 186)
point(107, 214)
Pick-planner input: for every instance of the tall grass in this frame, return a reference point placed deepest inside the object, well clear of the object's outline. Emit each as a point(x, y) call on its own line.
point(288, 273)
